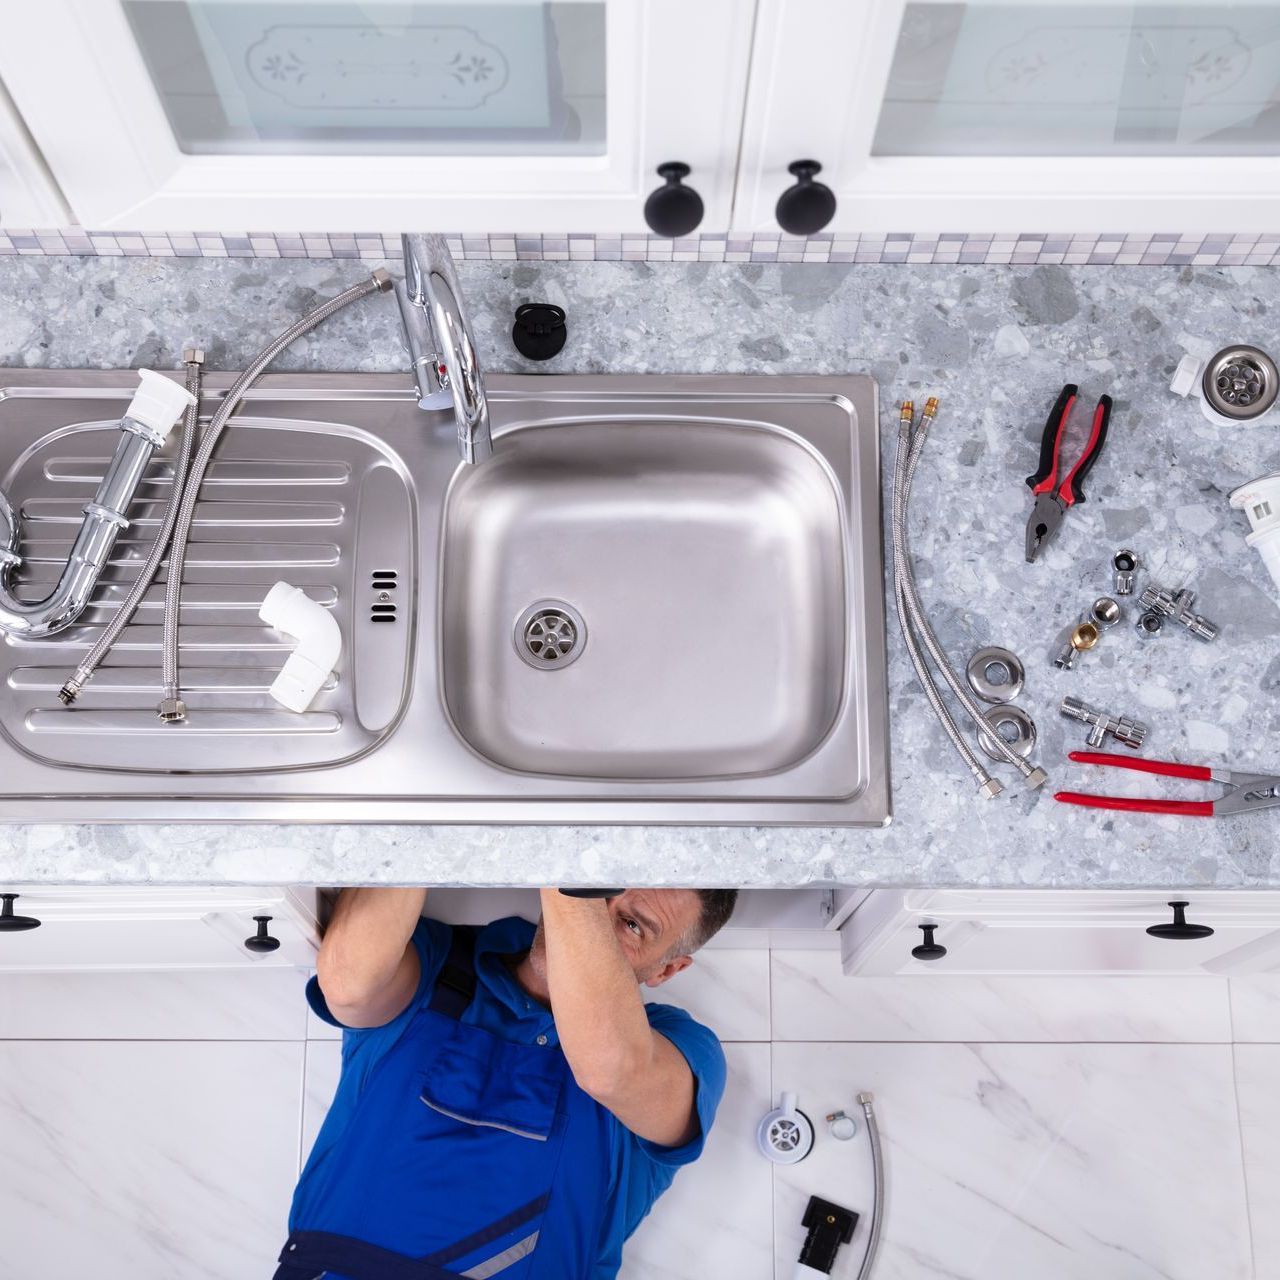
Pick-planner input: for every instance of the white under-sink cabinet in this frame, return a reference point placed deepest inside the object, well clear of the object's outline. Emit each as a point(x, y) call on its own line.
point(324, 115)
point(1095, 931)
point(153, 927)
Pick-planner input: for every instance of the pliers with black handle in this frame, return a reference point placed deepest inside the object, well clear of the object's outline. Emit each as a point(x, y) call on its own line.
point(1052, 498)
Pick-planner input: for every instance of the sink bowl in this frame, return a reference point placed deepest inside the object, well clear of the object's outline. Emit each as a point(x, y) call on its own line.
point(700, 569)
point(660, 601)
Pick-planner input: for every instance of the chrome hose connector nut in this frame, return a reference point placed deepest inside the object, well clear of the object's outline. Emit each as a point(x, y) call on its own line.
point(171, 710)
point(1123, 566)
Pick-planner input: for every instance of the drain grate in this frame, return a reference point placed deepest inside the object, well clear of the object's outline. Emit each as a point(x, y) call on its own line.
point(383, 608)
point(550, 635)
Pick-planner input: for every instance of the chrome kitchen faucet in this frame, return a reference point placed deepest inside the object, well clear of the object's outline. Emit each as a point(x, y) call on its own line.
point(442, 350)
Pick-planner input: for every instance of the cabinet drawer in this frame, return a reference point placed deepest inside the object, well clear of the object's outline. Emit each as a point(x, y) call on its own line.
point(1045, 932)
point(162, 928)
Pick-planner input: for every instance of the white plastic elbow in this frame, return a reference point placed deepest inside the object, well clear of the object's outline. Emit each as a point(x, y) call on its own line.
point(292, 611)
point(158, 402)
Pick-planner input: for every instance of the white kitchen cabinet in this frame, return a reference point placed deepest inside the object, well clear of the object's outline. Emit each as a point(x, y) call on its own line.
point(1095, 931)
point(157, 927)
point(28, 195)
point(1017, 115)
point(326, 115)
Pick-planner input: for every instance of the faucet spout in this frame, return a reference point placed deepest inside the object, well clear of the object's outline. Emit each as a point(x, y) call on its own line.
point(440, 342)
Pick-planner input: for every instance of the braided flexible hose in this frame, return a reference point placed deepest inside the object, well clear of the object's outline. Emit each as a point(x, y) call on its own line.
point(915, 611)
point(901, 572)
point(171, 707)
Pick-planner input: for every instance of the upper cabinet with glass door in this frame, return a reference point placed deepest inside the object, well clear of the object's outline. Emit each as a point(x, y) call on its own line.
point(296, 115)
point(1011, 115)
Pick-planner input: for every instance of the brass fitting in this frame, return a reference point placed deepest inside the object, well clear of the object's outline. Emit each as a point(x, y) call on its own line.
point(906, 415)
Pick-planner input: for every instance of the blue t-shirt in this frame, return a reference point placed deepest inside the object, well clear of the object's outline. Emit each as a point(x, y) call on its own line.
point(644, 1169)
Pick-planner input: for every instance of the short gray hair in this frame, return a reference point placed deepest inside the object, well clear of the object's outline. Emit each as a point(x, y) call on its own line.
point(716, 906)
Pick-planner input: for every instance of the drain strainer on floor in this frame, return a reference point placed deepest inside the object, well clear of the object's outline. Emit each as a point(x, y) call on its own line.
point(550, 635)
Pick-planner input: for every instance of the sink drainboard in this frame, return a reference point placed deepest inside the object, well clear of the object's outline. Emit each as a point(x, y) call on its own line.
point(312, 504)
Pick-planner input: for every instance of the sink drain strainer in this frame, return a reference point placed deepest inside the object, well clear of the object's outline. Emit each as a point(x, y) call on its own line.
point(550, 635)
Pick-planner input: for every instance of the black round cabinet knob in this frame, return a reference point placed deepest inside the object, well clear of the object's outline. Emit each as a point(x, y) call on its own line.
point(539, 331)
point(807, 206)
point(673, 210)
point(9, 923)
point(928, 949)
point(260, 940)
point(1179, 928)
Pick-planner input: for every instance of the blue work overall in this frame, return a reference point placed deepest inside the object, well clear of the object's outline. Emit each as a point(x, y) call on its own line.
point(467, 1155)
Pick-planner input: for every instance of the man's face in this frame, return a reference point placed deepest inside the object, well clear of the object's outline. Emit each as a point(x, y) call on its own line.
point(647, 923)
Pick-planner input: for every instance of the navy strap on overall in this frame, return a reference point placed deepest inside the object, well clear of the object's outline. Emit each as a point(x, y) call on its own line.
point(465, 1149)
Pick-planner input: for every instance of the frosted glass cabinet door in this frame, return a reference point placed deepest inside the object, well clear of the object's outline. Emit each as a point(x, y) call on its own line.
point(331, 115)
point(1018, 115)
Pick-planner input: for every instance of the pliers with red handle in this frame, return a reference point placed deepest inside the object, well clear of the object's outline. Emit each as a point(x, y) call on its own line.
point(1248, 792)
point(1052, 498)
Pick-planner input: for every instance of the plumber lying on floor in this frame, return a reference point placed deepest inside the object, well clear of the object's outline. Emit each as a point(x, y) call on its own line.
point(508, 1105)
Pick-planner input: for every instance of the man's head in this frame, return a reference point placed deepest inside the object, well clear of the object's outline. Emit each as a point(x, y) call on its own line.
point(659, 929)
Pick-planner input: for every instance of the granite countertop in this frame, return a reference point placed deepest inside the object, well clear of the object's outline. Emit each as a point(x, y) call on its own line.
point(996, 344)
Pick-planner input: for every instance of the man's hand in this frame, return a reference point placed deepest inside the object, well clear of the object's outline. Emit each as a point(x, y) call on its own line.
point(636, 1073)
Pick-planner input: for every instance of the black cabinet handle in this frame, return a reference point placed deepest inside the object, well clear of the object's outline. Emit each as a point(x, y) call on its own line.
point(673, 210)
point(928, 949)
point(591, 893)
point(1180, 928)
point(807, 206)
point(9, 923)
point(261, 941)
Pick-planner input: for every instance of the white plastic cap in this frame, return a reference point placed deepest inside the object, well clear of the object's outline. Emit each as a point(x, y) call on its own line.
point(158, 402)
point(1186, 376)
point(1260, 501)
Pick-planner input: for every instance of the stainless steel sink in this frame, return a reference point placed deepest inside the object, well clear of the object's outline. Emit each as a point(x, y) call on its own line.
point(660, 601)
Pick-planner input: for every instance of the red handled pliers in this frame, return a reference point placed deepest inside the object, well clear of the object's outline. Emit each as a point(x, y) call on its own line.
point(1248, 792)
point(1052, 498)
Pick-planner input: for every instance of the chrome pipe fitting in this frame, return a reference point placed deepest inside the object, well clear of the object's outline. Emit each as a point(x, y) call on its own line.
point(1129, 732)
point(1178, 606)
point(1124, 565)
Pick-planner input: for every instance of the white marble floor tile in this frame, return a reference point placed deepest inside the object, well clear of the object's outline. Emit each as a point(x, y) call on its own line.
point(715, 1222)
point(726, 990)
point(1076, 1162)
point(1258, 1090)
point(812, 999)
point(1255, 1008)
point(320, 1082)
point(194, 1004)
point(147, 1160)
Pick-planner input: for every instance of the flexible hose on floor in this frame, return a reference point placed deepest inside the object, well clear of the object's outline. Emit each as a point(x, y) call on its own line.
point(171, 707)
point(877, 1186)
point(146, 575)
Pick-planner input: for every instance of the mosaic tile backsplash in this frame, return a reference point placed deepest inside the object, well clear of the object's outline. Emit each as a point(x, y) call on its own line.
point(1115, 249)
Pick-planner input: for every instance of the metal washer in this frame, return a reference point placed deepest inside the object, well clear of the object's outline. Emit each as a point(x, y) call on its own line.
point(987, 689)
point(1023, 744)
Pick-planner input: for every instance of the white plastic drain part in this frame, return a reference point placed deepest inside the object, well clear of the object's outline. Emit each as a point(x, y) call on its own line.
point(1260, 501)
point(291, 610)
point(785, 1135)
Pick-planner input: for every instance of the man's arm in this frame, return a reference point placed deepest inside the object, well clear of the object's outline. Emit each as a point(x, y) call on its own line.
point(636, 1073)
point(368, 968)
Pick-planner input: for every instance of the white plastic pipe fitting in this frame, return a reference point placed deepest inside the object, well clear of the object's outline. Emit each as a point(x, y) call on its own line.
point(292, 611)
point(1260, 501)
point(158, 403)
